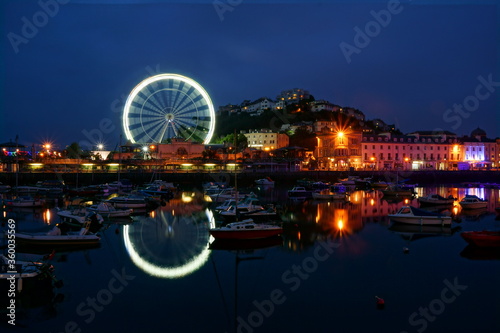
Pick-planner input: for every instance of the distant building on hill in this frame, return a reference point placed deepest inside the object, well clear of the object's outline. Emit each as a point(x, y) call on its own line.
point(293, 95)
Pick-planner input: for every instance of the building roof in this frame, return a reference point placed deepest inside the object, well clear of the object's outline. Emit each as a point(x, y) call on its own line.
point(478, 132)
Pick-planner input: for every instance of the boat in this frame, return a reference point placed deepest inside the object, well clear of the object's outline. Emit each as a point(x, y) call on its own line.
point(107, 210)
point(398, 190)
point(85, 191)
point(224, 194)
point(265, 181)
point(327, 195)
point(121, 185)
point(4, 188)
point(364, 183)
point(300, 192)
point(379, 184)
point(246, 229)
point(482, 238)
point(56, 237)
point(26, 275)
point(129, 201)
point(473, 202)
point(159, 190)
point(244, 212)
point(436, 199)
point(412, 215)
point(24, 201)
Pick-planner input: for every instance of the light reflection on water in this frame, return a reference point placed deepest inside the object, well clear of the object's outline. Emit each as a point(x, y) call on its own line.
point(168, 251)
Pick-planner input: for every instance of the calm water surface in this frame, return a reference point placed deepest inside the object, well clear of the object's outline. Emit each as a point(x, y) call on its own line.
point(161, 274)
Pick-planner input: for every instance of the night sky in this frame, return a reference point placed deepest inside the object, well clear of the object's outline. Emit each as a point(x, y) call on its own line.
point(62, 81)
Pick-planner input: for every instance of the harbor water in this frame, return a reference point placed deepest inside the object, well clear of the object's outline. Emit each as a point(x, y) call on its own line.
point(335, 262)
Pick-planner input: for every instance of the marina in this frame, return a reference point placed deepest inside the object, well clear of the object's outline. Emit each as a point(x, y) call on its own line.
point(339, 255)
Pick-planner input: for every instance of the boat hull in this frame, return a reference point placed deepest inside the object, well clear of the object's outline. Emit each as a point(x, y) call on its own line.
point(57, 240)
point(246, 234)
point(482, 238)
point(421, 220)
point(473, 205)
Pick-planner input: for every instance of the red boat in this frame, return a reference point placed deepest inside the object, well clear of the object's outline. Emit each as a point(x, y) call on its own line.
point(482, 238)
point(246, 229)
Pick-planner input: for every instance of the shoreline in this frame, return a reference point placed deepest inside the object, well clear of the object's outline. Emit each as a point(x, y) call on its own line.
point(433, 177)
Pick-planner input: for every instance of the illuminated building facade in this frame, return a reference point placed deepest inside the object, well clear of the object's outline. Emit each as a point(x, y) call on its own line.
point(266, 139)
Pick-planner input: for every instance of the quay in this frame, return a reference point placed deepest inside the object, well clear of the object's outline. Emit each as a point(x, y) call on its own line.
point(247, 177)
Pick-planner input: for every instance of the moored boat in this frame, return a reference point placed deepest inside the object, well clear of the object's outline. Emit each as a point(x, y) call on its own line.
point(56, 237)
point(473, 202)
point(398, 190)
point(300, 192)
point(435, 199)
point(105, 209)
point(265, 181)
point(482, 238)
point(246, 229)
point(24, 201)
point(412, 215)
point(26, 275)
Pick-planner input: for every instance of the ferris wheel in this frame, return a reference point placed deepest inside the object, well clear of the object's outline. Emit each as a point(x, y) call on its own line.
point(168, 106)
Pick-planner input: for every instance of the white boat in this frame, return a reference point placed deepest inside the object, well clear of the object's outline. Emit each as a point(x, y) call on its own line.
point(130, 201)
point(300, 192)
point(256, 213)
point(412, 215)
point(4, 188)
point(106, 210)
point(245, 230)
point(247, 202)
point(57, 237)
point(327, 195)
point(24, 201)
point(228, 193)
point(398, 190)
point(122, 184)
point(26, 272)
point(435, 199)
point(265, 181)
point(473, 202)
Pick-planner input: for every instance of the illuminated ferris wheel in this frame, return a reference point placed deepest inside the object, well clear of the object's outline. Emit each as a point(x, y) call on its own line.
point(168, 106)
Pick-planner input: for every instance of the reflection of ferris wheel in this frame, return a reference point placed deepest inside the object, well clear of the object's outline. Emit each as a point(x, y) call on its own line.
point(165, 106)
point(169, 246)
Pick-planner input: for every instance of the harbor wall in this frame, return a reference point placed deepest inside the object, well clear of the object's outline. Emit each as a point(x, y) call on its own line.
point(195, 179)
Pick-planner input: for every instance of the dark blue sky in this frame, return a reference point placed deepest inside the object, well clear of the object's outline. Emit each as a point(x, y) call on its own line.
point(62, 81)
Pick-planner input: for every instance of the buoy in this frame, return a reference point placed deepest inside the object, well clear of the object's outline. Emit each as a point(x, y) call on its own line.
point(380, 302)
point(117, 231)
point(406, 250)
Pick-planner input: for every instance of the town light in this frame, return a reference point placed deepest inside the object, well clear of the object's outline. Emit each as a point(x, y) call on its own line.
point(340, 134)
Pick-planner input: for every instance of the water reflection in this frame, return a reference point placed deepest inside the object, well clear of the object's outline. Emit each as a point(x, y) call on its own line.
point(170, 243)
point(311, 220)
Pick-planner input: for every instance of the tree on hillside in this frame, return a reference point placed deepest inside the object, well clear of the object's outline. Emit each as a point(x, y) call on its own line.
point(303, 138)
point(73, 151)
point(241, 141)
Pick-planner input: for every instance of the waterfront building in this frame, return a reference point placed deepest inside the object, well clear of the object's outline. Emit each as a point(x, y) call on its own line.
point(422, 150)
point(479, 151)
point(266, 139)
point(337, 149)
